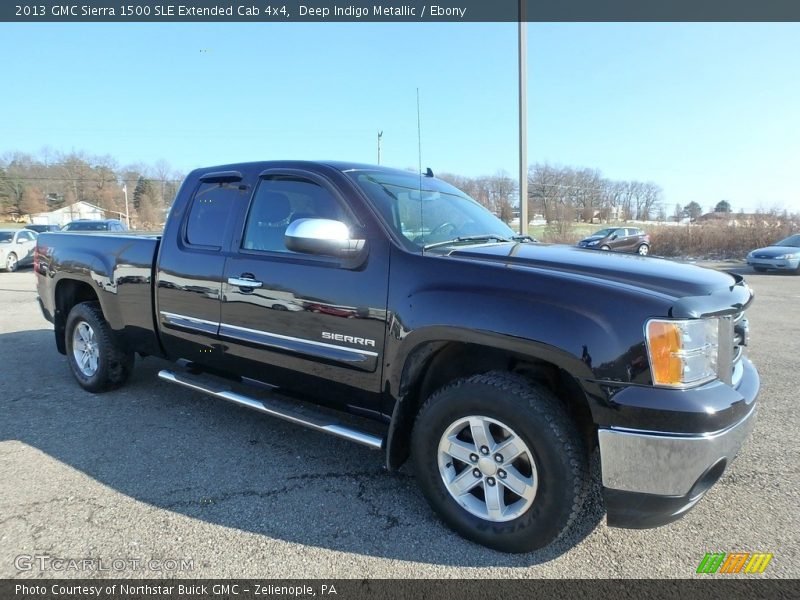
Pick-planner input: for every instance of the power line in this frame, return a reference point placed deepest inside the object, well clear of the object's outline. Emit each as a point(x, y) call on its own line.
point(87, 180)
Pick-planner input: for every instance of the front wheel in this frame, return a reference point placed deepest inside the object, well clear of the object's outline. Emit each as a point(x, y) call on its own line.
point(605, 248)
point(643, 250)
point(500, 460)
point(97, 358)
point(11, 262)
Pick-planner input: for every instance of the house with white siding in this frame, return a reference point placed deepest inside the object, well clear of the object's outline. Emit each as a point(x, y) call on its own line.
point(66, 214)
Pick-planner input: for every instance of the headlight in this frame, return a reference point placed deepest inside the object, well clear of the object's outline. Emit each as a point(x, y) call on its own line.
point(594, 243)
point(789, 255)
point(682, 353)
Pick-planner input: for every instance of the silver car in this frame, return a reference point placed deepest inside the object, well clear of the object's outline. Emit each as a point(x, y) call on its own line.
point(782, 256)
point(16, 248)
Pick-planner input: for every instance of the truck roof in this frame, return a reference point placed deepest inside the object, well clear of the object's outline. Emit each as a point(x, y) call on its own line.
point(300, 164)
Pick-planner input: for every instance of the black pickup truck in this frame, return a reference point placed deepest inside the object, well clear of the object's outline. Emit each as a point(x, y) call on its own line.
point(388, 308)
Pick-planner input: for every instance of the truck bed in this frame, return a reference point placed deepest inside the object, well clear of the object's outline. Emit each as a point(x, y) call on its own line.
point(119, 267)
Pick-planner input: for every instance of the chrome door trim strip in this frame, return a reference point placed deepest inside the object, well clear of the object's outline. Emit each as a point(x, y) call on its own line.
point(187, 322)
point(278, 337)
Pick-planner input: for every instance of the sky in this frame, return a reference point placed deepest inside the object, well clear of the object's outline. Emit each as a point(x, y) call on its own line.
point(707, 111)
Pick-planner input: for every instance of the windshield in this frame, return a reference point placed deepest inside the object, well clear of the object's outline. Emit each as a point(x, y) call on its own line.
point(87, 226)
point(792, 240)
point(6, 236)
point(440, 213)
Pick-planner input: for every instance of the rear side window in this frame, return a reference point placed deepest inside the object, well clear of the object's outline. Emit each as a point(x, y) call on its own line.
point(208, 217)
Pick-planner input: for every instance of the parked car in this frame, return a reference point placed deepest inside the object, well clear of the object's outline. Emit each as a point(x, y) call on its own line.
point(42, 228)
point(619, 239)
point(16, 248)
point(781, 256)
point(95, 225)
point(497, 365)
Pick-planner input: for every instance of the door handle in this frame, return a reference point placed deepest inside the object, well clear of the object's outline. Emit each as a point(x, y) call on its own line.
point(244, 282)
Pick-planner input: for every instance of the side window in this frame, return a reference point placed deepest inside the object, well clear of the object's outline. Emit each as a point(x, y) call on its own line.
point(208, 217)
point(279, 201)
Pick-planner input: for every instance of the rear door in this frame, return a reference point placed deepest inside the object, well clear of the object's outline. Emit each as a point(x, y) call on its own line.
point(298, 320)
point(190, 266)
point(633, 239)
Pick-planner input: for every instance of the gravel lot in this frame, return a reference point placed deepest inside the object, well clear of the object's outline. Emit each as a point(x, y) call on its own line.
point(153, 472)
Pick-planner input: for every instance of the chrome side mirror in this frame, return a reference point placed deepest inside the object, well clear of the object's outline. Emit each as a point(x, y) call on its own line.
point(324, 237)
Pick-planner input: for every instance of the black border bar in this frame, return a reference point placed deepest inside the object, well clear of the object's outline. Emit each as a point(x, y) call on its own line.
point(267, 11)
point(729, 587)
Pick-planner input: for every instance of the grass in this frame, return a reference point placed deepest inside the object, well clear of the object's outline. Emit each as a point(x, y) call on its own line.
point(708, 240)
point(11, 225)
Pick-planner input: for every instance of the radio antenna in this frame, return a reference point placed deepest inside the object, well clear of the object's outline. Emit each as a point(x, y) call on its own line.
point(419, 170)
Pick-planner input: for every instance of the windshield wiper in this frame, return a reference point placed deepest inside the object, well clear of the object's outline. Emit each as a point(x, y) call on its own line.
point(467, 238)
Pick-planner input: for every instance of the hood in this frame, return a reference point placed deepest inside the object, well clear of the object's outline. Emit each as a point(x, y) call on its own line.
point(592, 238)
point(773, 251)
point(658, 275)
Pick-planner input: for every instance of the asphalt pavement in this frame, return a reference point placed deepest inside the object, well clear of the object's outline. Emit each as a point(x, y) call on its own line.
point(156, 481)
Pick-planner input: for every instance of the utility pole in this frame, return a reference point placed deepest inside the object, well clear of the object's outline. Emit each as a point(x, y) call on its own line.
point(523, 121)
point(127, 214)
point(380, 135)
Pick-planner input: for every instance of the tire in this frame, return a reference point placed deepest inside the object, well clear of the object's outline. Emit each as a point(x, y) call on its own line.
point(553, 461)
point(11, 262)
point(605, 248)
point(760, 269)
point(89, 338)
point(643, 250)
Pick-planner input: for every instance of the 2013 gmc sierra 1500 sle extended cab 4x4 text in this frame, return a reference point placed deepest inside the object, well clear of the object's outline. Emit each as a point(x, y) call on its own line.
point(390, 309)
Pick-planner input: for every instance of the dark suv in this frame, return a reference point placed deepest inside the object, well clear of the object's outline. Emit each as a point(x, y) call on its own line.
point(621, 239)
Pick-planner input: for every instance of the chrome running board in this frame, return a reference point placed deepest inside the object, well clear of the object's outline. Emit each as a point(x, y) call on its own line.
point(277, 407)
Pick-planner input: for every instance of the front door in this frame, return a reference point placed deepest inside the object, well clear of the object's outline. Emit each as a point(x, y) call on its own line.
point(303, 321)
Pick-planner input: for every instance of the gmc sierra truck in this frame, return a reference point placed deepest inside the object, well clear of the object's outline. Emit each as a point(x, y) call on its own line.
point(388, 308)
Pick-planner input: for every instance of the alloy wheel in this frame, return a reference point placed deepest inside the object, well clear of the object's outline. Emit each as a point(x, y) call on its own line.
point(85, 349)
point(487, 468)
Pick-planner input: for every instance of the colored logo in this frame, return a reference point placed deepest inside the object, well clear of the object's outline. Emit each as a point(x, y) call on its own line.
point(734, 562)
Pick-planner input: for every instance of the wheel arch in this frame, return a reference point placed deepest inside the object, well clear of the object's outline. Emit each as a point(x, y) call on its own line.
point(68, 293)
point(433, 363)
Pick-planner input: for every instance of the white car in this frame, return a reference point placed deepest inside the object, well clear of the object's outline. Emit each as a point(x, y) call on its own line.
point(16, 248)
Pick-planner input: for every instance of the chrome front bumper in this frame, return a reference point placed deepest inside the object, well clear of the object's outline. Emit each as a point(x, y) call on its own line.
point(784, 264)
point(651, 478)
point(667, 464)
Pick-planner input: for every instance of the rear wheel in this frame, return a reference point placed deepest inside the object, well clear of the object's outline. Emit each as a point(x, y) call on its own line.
point(643, 250)
point(500, 461)
point(11, 262)
point(98, 360)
